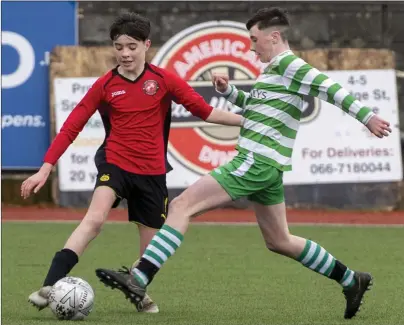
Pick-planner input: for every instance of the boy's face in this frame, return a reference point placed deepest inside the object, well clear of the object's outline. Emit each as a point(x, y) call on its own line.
point(263, 42)
point(129, 51)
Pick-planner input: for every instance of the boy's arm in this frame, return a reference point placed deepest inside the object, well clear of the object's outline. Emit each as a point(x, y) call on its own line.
point(74, 123)
point(193, 102)
point(303, 79)
point(300, 77)
point(235, 96)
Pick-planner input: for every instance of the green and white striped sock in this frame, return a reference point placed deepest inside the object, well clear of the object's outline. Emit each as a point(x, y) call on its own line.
point(162, 246)
point(348, 279)
point(319, 260)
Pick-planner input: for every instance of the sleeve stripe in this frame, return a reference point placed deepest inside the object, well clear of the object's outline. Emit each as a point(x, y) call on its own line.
point(240, 99)
point(285, 62)
point(233, 95)
point(315, 85)
point(298, 77)
point(347, 102)
point(332, 91)
point(364, 114)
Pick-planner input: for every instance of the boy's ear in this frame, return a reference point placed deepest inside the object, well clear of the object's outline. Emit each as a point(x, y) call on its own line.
point(148, 44)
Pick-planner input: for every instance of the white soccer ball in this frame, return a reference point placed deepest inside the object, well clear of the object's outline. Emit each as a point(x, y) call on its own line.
point(71, 298)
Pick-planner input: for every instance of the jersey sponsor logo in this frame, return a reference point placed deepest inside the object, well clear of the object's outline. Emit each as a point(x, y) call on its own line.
point(104, 178)
point(117, 93)
point(194, 54)
point(150, 87)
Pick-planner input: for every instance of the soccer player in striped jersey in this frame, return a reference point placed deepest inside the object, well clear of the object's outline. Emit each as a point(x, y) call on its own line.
point(272, 112)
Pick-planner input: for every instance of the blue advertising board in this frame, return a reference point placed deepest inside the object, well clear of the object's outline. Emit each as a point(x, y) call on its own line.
point(30, 31)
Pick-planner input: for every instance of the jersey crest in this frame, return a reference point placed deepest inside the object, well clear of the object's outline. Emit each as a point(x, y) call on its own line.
point(150, 87)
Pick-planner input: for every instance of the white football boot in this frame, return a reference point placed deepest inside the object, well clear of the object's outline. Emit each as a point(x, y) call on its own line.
point(39, 298)
point(148, 305)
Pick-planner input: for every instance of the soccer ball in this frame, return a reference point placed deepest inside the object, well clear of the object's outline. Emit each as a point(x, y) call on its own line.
point(71, 298)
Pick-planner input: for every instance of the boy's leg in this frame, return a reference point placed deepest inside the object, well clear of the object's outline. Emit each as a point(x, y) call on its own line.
point(64, 260)
point(222, 185)
point(270, 211)
point(145, 236)
point(147, 207)
point(202, 195)
point(109, 189)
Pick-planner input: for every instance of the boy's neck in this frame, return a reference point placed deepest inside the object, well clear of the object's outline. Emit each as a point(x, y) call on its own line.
point(132, 74)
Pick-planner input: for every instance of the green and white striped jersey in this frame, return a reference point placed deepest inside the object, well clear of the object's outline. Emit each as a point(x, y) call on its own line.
point(273, 107)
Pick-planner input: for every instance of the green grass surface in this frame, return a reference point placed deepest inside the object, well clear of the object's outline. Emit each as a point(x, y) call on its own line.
point(220, 275)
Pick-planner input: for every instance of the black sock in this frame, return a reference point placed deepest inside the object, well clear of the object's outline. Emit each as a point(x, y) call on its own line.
point(147, 268)
point(338, 271)
point(62, 264)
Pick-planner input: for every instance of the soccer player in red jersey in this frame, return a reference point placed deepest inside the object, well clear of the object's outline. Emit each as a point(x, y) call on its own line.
point(134, 100)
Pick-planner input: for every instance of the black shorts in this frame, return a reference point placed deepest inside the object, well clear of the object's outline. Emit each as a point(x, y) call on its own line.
point(147, 195)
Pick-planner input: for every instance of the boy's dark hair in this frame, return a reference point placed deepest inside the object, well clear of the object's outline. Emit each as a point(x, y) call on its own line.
point(269, 17)
point(131, 24)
